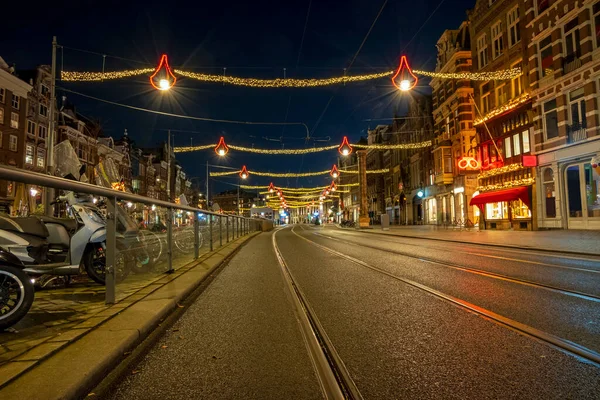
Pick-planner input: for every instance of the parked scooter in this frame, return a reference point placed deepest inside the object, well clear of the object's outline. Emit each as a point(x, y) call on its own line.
point(16, 290)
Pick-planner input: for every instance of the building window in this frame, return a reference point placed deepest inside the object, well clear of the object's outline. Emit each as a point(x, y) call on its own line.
point(546, 60)
point(482, 51)
point(496, 210)
point(520, 209)
point(516, 144)
point(1, 115)
point(31, 127)
point(514, 34)
point(577, 109)
point(596, 11)
point(542, 5)
point(447, 161)
point(550, 119)
point(29, 154)
point(43, 110)
point(507, 148)
point(45, 91)
point(549, 193)
point(501, 95)
point(497, 40)
point(16, 101)
point(41, 157)
point(572, 42)
point(42, 130)
point(14, 120)
point(485, 103)
point(515, 83)
point(526, 147)
point(13, 143)
point(2, 95)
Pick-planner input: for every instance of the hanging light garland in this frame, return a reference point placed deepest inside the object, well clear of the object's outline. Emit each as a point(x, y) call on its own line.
point(404, 78)
point(244, 173)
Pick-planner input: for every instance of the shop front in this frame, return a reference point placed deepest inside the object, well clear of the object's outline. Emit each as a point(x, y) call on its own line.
point(569, 187)
point(505, 209)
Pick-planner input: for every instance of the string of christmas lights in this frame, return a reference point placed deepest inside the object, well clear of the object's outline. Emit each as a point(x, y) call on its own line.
point(512, 104)
point(501, 170)
point(507, 184)
point(79, 76)
point(501, 75)
point(295, 174)
point(402, 146)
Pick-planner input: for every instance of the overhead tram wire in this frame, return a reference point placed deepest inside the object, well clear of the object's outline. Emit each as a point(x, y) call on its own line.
point(226, 121)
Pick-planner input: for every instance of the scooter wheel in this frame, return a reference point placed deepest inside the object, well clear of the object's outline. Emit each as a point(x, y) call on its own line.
point(16, 295)
point(95, 266)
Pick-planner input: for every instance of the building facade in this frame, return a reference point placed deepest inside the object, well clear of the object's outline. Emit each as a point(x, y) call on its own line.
point(14, 93)
point(455, 148)
point(564, 73)
point(503, 117)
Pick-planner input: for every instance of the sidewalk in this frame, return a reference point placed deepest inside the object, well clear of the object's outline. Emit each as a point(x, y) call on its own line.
point(66, 364)
point(567, 241)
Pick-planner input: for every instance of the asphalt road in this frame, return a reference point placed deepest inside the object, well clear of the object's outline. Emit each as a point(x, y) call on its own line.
point(241, 338)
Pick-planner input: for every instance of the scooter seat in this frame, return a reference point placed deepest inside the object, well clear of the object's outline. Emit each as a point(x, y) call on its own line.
point(29, 225)
point(69, 223)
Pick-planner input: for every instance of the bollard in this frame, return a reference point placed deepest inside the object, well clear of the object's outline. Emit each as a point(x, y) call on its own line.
point(196, 236)
point(210, 230)
point(220, 231)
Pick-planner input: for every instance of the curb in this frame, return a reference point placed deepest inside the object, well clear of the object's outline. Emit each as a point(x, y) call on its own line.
point(577, 253)
point(73, 371)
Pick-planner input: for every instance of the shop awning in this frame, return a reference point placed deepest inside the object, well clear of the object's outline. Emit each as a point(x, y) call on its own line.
point(521, 192)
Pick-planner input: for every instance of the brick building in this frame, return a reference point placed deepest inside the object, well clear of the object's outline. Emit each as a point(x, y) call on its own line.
point(503, 119)
point(14, 92)
point(564, 74)
point(455, 143)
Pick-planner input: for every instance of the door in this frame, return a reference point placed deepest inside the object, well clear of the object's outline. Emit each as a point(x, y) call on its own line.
point(582, 186)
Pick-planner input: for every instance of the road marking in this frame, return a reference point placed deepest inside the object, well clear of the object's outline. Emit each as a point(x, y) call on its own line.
point(554, 340)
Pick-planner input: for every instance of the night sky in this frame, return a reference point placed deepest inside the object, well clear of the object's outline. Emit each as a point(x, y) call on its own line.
point(251, 39)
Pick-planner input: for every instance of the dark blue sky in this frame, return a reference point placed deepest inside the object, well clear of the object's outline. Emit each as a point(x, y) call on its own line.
point(250, 38)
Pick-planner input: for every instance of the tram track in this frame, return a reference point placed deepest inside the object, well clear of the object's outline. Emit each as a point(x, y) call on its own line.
point(548, 338)
point(334, 378)
point(534, 253)
point(582, 295)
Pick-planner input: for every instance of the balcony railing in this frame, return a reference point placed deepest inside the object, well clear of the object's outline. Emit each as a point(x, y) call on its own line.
point(576, 132)
point(571, 63)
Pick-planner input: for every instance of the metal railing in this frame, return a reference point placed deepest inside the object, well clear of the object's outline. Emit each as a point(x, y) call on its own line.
point(240, 225)
point(576, 132)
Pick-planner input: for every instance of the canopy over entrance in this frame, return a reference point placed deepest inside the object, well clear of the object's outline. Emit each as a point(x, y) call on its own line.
point(517, 193)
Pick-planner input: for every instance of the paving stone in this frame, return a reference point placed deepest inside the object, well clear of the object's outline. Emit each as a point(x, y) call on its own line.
point(11, 370)
point(69, 335)
point(91, 322)
point(40, 351)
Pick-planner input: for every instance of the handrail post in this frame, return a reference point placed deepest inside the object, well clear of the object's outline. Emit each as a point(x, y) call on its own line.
point(227, 228)
point(196, 236)
point(220, 231)
point(210, 230)
point(170, 239)
point(111, 251)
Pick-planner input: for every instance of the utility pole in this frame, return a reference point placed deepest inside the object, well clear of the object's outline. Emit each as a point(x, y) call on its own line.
point(49, 192)
point(169, 165)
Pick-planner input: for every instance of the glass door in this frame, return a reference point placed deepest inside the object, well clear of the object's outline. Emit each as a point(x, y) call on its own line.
point(582, 186)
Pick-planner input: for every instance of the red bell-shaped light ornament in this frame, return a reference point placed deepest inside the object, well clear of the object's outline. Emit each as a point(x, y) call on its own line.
point(334, 172)
point(404, 79)
point(271, 188)
point(221, 148)
point(244, 173)
point(163, 78)
point(333, 186)
point(345, 147)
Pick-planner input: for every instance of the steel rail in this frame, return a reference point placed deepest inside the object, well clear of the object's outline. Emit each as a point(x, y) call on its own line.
point(585, 296)
point(333, 375)
point(549, 338)
point(593, 271)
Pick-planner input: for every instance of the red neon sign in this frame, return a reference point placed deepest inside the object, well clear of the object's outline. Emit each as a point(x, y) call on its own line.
point(221, 148)
point(468, 163)
point(345, 147)
point(166, 81)
point(404, 79)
